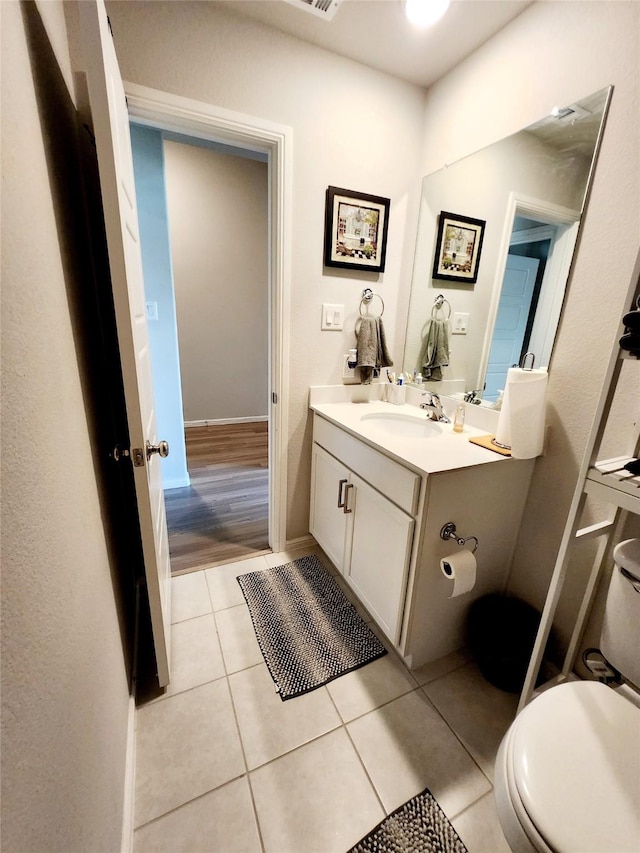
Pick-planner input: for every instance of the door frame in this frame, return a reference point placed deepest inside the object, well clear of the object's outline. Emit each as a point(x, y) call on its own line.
point(165, 111)
point(567, 221)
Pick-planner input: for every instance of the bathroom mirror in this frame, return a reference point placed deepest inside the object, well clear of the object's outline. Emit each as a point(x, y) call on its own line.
point(530, 189)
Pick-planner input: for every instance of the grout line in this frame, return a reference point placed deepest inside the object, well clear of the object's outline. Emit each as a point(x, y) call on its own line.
point(188, 802)
point(255, 812)
point(471, 805)
point(454, 733)
point(366, 772)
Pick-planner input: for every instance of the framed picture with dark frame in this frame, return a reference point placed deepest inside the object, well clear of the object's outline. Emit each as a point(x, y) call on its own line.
point(458, 247)
point(355, 230)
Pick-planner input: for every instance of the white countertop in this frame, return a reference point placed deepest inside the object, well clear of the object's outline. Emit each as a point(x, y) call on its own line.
point(444, 451)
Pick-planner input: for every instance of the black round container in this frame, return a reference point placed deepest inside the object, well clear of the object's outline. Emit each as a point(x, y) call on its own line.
point(501, 632)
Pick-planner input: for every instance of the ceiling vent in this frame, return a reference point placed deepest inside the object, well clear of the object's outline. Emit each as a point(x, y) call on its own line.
point(324, 9)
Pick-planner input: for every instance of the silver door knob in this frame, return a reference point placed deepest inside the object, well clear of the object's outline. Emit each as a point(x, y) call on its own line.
point(161, 448)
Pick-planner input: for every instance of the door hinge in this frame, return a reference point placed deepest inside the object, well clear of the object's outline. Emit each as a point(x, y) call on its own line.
point(274, 398)
point(138, 456)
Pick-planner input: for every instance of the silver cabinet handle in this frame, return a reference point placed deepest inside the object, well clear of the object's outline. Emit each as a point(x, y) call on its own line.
point(340, 500)
point(346, 498)
point(161, 448)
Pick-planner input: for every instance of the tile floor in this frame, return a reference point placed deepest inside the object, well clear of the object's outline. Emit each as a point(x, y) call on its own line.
point(224, 765)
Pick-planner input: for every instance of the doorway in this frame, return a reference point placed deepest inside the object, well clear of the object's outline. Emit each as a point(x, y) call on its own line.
point(268, 143)
point(207, 315)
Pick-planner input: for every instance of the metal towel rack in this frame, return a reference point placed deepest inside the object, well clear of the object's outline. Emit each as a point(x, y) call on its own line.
point(367, 297)
point(438, 302)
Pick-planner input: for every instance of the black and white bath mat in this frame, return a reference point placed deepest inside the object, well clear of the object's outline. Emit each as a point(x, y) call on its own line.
point(308, 631)
point(419, 826)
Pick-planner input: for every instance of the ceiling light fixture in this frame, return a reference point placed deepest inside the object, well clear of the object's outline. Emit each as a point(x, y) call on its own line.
point(424, 13)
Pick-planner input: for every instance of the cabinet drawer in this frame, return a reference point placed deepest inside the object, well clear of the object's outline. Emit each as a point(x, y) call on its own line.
point(398, 483)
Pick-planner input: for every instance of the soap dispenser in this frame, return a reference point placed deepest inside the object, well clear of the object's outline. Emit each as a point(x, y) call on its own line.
point(458, 418)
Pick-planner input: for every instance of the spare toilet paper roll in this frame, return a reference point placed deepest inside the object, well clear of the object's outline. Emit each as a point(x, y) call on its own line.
point(461, 569)
point(523, 413)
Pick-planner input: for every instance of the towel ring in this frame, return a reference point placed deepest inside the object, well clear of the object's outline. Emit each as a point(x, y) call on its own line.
point(367, 296)
point(437, 305)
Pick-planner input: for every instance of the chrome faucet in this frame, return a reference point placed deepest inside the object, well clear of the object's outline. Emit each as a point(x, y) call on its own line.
point(433, 407)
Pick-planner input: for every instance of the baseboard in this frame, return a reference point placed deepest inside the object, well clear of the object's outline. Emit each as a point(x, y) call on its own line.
point(301, 542)
point(129, 781)
point(180, 483)
point(222, 421)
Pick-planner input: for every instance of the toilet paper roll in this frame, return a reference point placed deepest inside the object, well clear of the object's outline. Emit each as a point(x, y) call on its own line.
point(522, 416)
point(461, 569)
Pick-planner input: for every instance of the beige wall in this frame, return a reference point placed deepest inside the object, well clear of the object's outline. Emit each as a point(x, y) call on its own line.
point(555, 53)
point(64, 688)
point(353, 127)
point(217, 208)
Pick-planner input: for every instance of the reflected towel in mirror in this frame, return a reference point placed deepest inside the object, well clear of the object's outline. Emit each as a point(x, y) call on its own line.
point(434, 354)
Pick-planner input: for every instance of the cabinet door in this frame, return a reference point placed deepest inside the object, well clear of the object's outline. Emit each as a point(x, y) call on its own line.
point(380, 553)
point(328, 522)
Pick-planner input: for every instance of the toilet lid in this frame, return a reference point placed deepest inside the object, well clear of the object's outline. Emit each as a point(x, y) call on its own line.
point(576, 754)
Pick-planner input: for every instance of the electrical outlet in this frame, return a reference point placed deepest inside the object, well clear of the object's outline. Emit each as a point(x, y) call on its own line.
point(460, 324)
point(348, 373)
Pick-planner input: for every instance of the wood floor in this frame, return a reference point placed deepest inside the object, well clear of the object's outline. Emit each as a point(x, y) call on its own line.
point(224, 514)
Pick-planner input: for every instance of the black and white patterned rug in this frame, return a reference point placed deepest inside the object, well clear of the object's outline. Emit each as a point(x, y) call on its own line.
point(307, 629)
point(419, 826)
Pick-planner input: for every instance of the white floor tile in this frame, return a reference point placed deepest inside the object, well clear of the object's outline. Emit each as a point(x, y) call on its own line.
point(270, 727)
point(372, 685)
point(477, 711)
point(196, 657)
point(240, 648)
point(222, 821)
point(186, 745)
point(189, 596)
point(223, 581)
point(479, 827)
point(316, 799)
point(443, 666)
point(406, 747)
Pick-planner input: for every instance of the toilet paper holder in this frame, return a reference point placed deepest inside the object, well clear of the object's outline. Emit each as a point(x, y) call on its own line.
point(449, 532)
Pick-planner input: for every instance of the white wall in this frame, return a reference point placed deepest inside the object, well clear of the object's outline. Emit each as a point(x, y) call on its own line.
point(148, 163)
point(218, 210)
point(555, 53)
point(329, 102)
point(65, 697)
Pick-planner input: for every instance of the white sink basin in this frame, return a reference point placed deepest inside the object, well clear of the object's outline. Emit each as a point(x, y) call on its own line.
point(400, 425)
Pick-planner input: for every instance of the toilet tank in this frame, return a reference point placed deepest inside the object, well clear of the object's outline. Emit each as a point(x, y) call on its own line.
point(620, 638)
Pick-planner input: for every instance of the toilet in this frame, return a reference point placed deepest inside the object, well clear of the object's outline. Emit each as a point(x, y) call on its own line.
point(567, 774)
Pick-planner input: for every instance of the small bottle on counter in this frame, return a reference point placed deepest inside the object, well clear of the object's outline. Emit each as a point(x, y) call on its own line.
point(458, 418)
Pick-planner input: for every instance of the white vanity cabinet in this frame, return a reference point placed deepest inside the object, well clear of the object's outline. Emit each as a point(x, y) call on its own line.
point(367, 536)
point(379, 520)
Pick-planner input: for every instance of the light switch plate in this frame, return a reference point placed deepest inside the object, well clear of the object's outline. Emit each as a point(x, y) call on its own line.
point(332, 317)
point(460, 324)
